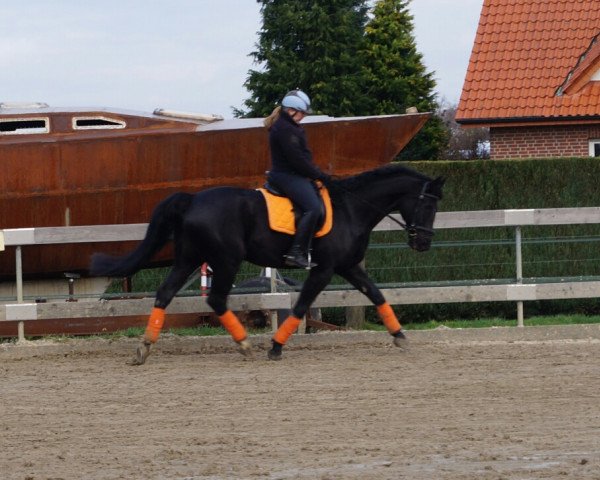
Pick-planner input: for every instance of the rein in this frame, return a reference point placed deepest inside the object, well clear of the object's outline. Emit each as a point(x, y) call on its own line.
point(411, 229)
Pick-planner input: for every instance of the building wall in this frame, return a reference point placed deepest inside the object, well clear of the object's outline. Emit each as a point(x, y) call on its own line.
point(551, 141)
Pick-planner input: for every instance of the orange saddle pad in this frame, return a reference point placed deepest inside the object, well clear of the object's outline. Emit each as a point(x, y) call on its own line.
point(281, 213)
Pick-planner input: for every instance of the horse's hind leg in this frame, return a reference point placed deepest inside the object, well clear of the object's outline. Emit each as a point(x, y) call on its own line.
point(361, 281)
point(222, 281)
point(165, 293)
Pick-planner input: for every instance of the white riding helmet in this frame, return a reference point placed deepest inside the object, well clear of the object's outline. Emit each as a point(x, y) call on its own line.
point(298, 100)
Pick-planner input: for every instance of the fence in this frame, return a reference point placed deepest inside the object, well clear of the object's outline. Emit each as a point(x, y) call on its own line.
point(514, 291)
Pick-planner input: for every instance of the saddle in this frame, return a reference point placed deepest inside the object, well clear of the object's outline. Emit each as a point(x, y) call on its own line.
point(282, 216)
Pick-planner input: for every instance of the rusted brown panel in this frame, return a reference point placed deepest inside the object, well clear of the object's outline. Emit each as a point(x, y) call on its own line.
point(31, 210)
point(251, 159)
point(119, 175)
point(93, 164)
point(354, 143)
point(101, 325)
point(197, 159)
point(349, 147)
point(322, 143)
point(61, 123)
point(95, 325)
point(157, 160)
point(28, 168)
point(399, 133)
point(223, 155)
point(87, 208)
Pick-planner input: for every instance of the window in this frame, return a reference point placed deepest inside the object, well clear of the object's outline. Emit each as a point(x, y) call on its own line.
point(594, 148)
point(96, 123)
point(23, 126)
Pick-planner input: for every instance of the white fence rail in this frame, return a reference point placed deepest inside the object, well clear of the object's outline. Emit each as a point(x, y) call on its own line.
point(517, 292)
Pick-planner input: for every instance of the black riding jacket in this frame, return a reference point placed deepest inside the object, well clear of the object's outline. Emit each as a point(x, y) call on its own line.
point(289, 151)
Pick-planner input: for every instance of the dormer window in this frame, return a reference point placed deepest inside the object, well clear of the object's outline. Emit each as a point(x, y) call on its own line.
point(97, 123)
point(23, 126)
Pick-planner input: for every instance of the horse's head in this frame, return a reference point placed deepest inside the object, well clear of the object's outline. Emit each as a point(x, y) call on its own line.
point(419, 214)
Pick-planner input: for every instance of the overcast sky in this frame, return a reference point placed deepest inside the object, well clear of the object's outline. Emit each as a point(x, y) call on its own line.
point(188, 55)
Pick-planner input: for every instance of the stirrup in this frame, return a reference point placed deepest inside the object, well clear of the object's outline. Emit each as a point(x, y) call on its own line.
point(299, 260)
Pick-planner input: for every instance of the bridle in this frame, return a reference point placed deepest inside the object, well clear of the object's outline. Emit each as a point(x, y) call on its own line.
point(413, 229)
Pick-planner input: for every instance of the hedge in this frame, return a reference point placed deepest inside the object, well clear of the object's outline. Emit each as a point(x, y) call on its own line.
point(484, 253)
point(488, 253)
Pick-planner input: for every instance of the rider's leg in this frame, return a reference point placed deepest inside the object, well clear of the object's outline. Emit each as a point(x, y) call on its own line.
point(301, 192)
point(297, 256)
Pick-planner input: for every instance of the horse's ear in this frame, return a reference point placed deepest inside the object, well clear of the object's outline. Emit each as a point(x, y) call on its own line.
point(436, 186)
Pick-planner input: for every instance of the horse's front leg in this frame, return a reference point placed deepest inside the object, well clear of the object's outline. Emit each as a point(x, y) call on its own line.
point(317, 280)
point(359, 279)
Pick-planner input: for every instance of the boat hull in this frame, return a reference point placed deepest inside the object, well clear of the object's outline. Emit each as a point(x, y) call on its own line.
point(118, 176)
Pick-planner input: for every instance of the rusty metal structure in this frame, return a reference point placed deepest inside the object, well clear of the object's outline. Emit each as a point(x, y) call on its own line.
point(64, 167)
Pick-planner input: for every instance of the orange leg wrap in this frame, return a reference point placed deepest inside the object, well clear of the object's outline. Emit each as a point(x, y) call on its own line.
point(155, 324)
point(286, 329)
point(233, 325)
point(389, 318)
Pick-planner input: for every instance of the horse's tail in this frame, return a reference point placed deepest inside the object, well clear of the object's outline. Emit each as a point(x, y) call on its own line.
point(166, 219)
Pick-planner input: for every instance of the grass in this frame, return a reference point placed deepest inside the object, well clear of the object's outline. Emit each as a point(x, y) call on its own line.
point(200, 331)
point(497, 322)
point(477, 323)
point(205, 331)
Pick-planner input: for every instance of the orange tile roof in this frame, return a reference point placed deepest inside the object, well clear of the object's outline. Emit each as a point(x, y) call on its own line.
point(533, 60)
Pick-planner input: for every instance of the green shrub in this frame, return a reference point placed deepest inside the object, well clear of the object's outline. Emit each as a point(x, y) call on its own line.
point(489, 253)
point(478, 254)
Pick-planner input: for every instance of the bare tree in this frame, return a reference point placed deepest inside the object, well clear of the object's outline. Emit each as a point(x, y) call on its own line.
point(464, 143)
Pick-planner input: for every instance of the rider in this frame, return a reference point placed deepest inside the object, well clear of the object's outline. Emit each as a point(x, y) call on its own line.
point(292, 171)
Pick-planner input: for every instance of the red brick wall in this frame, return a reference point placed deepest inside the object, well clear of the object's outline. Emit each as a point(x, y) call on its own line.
point(552, 141)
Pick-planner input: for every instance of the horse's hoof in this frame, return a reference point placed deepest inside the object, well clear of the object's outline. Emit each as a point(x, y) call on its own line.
point(142, 353)
point(400, 340)
point(275, 352)
point(245, 348)
point(274, 355)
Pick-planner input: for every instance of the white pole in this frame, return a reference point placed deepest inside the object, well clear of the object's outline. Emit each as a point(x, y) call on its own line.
point(19, 270)
point(271, 273)
point(519, 260)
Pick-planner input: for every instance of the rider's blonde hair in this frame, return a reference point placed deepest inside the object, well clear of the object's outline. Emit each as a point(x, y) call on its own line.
point(271, 119)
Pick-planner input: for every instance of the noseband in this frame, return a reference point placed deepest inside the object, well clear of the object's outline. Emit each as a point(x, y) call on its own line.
point(413, 229)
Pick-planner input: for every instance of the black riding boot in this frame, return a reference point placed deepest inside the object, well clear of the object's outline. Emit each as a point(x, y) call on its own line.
point(298, 255)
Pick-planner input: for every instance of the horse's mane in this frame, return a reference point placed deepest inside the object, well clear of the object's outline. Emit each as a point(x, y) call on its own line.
point(356, 182)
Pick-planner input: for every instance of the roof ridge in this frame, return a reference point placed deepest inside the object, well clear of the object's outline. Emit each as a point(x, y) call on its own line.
point(583, 65)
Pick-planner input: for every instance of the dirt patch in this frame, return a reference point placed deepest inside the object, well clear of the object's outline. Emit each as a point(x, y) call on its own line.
point(486, 404)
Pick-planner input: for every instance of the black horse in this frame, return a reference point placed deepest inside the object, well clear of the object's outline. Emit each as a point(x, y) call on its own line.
point(224, 226)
